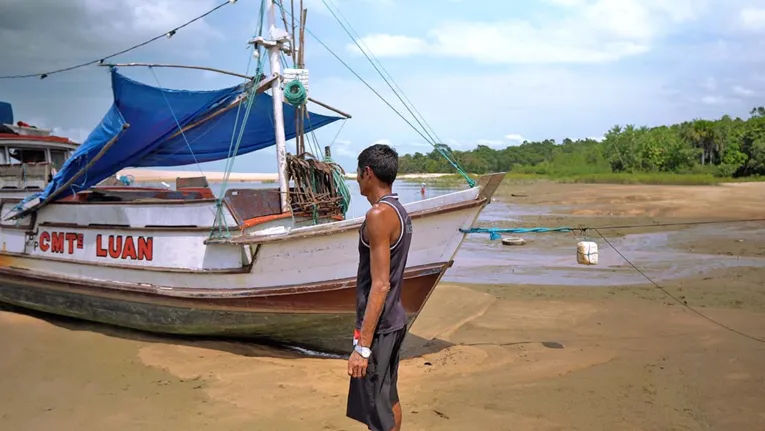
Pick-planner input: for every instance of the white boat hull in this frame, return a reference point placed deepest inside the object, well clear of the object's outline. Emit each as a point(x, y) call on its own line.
point(158, 254)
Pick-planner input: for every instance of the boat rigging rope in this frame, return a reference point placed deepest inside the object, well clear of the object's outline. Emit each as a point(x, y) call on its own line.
point(43, 75)
point(251, 94)
point(428, 139)
point(359, 42)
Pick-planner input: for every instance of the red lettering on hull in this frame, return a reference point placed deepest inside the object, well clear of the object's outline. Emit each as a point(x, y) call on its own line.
point(100, 250)
point(114, 246)
point(145, 248)
point(57, 242)
point(125, 248)
point(44, 241)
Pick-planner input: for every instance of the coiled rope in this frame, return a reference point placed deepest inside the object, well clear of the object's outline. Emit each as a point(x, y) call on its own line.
point(295, 93)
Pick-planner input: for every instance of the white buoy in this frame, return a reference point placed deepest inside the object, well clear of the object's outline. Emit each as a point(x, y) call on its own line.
point(513, 241)
point(587, 253)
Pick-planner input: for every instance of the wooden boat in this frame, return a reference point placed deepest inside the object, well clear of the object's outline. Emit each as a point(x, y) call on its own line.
point(243, 264)
point(28, 155)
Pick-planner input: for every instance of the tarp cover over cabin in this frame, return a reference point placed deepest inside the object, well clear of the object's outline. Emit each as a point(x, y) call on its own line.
point(141, 129)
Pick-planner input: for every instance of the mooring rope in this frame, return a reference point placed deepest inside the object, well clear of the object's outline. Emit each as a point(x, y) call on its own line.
point(494, 235)
point(494, 232)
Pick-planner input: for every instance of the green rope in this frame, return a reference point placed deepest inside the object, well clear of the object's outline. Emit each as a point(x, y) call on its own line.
point(338, 176)
point(220, 223)
point(342, 187)
point(427, 138)
point(456, 166)
point(295, 93)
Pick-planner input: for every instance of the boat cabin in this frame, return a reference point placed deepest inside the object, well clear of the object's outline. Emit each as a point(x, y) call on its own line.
point(29, 156)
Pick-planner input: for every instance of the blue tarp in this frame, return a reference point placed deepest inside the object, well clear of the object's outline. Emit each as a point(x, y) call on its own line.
point(147, 141)
point(6, 113)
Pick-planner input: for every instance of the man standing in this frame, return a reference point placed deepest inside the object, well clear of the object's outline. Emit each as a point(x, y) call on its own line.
point(384, 240)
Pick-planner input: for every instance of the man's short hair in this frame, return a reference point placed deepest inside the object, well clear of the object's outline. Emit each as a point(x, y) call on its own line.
point(382, 160)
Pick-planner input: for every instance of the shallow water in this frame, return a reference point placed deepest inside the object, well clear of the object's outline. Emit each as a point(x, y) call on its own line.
point(550, 258)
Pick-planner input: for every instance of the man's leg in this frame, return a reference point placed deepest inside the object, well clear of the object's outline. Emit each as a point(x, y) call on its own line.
point(397, 416)
point(395, 401)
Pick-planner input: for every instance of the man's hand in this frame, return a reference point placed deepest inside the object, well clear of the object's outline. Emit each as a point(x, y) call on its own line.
point(357, 365)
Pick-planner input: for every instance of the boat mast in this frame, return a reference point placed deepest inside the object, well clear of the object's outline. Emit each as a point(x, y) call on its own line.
point(274, 47)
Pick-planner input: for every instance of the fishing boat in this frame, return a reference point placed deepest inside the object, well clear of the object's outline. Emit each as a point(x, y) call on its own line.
point(275, 264)
point(28, 155)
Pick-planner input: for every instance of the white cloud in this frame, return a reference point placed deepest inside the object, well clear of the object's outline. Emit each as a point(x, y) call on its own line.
point(718, 100)
point(742, 91)
point(318, 6)
point(51, 34)
point(386, 45)
point(567, 3)
point(753, 18)
point(515, 137)
point(76, 135)
point(342, 148)
point(591, 32)
point(710, 83)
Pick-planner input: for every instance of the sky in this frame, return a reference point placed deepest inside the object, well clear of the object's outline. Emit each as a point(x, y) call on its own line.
point(484, 72)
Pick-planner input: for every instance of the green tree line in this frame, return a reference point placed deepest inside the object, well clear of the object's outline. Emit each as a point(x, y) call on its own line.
point(727, 147)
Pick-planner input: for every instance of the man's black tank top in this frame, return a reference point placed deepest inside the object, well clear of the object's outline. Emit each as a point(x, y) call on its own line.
point(393, 316)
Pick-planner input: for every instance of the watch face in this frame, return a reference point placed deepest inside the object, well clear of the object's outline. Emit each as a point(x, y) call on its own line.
point(365, 352)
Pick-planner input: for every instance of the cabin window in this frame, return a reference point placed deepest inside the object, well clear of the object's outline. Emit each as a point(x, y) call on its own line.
point(18, 156)
point(57, 158)
point(2, 156)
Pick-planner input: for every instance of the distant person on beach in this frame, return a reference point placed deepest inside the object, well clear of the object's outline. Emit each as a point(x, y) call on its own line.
point(384, 239)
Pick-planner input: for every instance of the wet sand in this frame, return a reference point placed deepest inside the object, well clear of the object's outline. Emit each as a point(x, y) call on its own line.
point(540, 344)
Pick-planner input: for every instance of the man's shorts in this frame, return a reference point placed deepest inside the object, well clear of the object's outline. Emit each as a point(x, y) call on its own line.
point(371, 398)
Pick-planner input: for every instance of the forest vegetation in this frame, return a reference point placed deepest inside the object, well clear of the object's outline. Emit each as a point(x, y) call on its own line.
point(693, 152)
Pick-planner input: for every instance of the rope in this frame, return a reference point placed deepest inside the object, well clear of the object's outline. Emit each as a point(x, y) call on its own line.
point(495, 231)
point(44, 75)
point(295, 93)
point(126, 179)
point(426, 127)
point(427, 139)
point(683, 303)
point(220, 223)
point(319, 187)
point(342, 187)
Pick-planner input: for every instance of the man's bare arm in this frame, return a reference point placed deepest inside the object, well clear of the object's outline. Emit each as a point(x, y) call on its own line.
point(379, 231)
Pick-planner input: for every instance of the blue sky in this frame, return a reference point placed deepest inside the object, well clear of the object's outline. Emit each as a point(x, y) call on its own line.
point(480, 72)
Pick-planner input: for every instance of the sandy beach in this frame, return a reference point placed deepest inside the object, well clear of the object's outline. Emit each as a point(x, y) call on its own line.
point(499, 355)
point(155, 175)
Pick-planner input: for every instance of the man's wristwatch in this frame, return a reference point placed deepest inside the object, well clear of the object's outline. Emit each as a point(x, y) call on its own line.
point(365, 352)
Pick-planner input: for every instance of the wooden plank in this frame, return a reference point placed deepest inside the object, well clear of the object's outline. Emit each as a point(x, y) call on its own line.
point(489, 184)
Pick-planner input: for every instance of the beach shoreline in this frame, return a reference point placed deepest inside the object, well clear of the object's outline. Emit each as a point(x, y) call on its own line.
point(545, 357)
